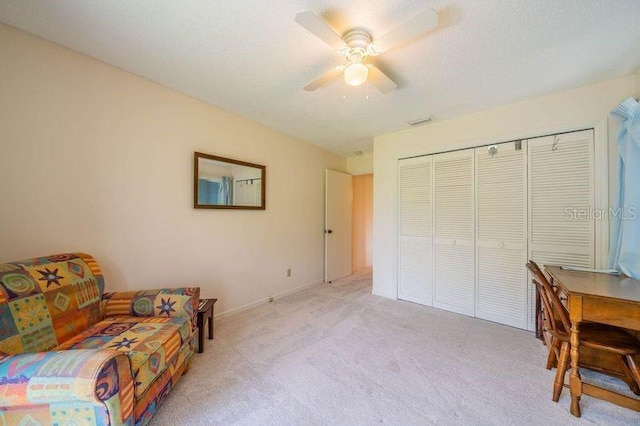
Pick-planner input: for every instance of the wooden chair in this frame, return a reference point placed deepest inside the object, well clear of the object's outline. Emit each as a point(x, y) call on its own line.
point(541, 311)
point(598, 337)
point(548, 323)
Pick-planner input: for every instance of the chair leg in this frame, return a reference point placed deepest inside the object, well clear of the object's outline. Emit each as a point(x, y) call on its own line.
point(556, 351)
point(563, 364)
point(551, 359)
point(635, 371)
point(629, 379)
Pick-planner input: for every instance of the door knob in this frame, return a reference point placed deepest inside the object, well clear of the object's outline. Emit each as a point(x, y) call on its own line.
point(329, 231)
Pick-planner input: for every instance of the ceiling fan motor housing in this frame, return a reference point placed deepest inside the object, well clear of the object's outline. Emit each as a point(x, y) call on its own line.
point(359, 46)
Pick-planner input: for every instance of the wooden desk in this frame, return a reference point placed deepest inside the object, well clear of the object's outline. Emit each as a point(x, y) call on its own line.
point(601, 298)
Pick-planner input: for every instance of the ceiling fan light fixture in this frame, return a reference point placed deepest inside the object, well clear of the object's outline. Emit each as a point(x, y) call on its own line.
point(355, 74)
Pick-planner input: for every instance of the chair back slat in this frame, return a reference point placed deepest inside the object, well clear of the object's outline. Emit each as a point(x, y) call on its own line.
point(558, 310)
point(548, 318)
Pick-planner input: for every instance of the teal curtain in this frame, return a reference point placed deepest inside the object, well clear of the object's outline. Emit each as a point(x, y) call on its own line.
point(625, 224)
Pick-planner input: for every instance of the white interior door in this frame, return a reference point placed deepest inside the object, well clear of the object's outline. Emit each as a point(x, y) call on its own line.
point(338, 205)
point(415, 233)
point(453, 249)
point(501, 234)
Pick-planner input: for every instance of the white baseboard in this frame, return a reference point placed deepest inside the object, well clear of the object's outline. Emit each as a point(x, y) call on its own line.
point(265, 300)
point(383, 294)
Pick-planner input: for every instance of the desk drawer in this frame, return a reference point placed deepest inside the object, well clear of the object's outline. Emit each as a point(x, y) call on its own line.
point(563, 297)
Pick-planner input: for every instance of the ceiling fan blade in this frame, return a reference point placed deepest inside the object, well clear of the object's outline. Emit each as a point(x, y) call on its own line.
point(325, 78)
point(407, 31)
point(380, 80)
point(320, 29)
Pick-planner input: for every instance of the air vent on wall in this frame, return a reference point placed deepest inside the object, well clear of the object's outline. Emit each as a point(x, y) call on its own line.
point(420, 121)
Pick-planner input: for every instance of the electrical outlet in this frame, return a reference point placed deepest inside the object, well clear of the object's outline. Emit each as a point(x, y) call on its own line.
point(288, 272)
point(270, 299)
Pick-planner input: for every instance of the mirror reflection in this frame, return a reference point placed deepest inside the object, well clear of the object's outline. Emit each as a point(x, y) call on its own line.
point(223, 183)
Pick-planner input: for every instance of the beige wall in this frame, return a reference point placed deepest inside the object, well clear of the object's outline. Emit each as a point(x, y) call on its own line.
point(362, 223)
point(99, 160)
point(572, 108)
point(360, 164)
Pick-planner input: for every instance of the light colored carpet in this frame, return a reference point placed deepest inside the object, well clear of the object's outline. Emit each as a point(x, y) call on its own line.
point(336, 354)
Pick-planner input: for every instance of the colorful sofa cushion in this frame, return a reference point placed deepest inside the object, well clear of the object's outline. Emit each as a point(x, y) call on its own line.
point(47, 300)
point(68, 387)
point(150, 343)
point(164, 302)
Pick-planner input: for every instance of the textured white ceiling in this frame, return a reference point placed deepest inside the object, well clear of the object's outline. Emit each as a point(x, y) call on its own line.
point(251, 58)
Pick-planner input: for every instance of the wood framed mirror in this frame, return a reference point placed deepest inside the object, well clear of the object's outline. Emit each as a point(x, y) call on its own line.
point(223, 183)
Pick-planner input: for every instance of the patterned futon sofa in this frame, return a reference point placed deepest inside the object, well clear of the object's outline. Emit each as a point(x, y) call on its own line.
point(72, 354)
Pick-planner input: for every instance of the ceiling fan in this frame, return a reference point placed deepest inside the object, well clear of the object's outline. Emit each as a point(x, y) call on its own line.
point(357, 45)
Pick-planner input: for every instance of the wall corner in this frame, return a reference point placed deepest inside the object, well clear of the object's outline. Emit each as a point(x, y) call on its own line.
point(360, 164)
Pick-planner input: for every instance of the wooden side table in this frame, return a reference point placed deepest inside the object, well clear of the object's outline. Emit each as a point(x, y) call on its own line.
point(205, 313)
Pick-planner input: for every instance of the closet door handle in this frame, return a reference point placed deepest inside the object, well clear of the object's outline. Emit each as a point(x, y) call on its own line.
point(329, 231)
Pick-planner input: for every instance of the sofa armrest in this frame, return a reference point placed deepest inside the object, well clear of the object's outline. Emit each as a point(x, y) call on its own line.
point(165, 302)
point(89, 375)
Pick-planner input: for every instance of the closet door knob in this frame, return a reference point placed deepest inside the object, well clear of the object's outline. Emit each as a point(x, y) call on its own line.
point(329, 231)
point(501, 245)
point(454, 242)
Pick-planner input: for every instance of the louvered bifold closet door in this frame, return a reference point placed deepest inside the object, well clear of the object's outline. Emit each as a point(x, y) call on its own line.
point(454, 283)
point(415, 245)
point(501, 232)
point(561, 199)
